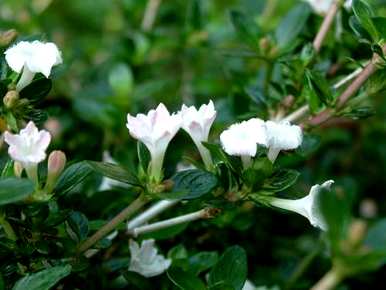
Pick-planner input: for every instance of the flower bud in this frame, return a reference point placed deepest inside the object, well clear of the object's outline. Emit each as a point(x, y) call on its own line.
point(56, 163)
point(7, 37)
point(356, 232)
point(17, 169)
point(10, 99)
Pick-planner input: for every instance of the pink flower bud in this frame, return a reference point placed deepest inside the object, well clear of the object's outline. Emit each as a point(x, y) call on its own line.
point(56, 162)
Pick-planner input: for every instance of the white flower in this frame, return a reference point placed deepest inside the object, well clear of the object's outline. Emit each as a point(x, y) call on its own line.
point(322, 6)
point(28, 147)
point(155, 130)
point(197, 124)
point(307, 206)
point(282, 136)
point(32, 57)
point(145, 261)
point(248, 285)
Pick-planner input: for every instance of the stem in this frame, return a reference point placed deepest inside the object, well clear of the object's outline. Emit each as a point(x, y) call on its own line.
point(111, 225)
point(298, 114)
point(201, 214)
point(302, 266)
point(205, 155)
point(32, 173)
point(7, 228)
point(348, 78)
point(150, 213)
point(361, 78)
point(325, 27)
point(150, 15)
point(329, 281)
point(25, 79)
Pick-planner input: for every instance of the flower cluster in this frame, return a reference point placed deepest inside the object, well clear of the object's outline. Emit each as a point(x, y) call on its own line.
point(158, 127)
point(243, 138)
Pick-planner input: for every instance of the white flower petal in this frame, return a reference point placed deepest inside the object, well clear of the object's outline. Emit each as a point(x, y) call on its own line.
point(29, 146)
point(145, 260)
point(241, 139)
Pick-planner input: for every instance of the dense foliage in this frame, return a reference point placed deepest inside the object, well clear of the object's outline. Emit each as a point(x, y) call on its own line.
point(227, 203)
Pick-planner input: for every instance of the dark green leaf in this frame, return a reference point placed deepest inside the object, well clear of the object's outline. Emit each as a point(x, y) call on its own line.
point(137, 281)
point(78, 223)
point(43, 280)
point(231, 269)
point(245, 27)
point(14, 189)
point(72, 176)
point(194, 183)
point(143, 156)
point(292, 24)
point(8, 169)
point(115, 172)
point(281, 180)
point(358, 113)
point(37, 90)
point(185, 280)
point(364, 14)
point(358, 29)
point(202, 261)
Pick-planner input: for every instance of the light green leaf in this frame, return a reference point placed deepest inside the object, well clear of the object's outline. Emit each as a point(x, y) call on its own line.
point(14, 189)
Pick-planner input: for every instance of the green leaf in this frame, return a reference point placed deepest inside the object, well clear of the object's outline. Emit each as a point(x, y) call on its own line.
point(358, 113)
point(257, 173)
point(358, 29)
point(185, 280)
point(137, 281)
point(292, 24)
point(194, 183)
point(364, 13)
point(37, 90)
point(121, 81)
point(43, 280)
point(14, 189)
point(202, 261)
point(115, 172)
point(316, 90)
point(72, 176)
point(78, 223)
point(8, 169)
point(231, 269)
point(380, 25)
point(281, 180)
point(245, 27)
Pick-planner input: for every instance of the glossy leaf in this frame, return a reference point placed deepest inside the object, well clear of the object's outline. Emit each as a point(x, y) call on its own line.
point(14, 189)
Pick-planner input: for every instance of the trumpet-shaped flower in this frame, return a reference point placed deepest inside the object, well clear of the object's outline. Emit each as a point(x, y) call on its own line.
point(241, 139)
point(197, 124)
point(282, 136)
point(307, 206)
point(322, 6)
point(155, 130)
point(28, 147)
point(32, 57)
point(145, 260)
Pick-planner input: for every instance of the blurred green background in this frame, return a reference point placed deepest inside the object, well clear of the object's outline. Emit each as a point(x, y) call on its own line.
point(115, 64)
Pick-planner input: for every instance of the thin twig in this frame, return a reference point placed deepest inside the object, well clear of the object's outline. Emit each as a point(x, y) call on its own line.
point(151, 213)
point(361, 78)
point(329, 281)
point(201, 214)
point(111, 225)
point(325, 27)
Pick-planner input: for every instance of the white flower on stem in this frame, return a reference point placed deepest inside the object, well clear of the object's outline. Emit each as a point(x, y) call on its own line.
point(28, 147)
point(197, 124)
point(145, 260)
point(248, 285)
point(155, 130)
point(32, 57)
point(307, 206)
point(322, 6)
point(282, 136)
point(241, 139)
